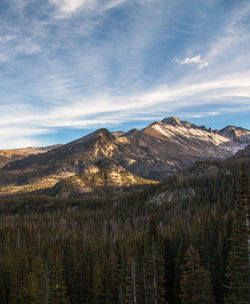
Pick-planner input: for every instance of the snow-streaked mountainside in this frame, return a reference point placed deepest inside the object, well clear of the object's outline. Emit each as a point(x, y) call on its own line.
point(230, 138)
point(175, 133)
point(153, 153)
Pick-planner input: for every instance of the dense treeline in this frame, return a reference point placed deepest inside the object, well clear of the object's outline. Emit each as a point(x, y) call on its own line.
point(127, 249)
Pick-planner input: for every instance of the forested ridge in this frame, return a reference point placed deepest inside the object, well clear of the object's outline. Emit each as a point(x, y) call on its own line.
point(128, 248)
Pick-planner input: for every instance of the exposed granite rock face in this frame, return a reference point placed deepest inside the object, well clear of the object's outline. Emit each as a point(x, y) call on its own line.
point(104, 174)
point(174, 121)
point(154, 153)
point(71, 185)
point(178, 195)
point(232, 132)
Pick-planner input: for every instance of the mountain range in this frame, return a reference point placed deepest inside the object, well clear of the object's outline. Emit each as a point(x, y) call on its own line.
point(105, 159)
point(9, 155)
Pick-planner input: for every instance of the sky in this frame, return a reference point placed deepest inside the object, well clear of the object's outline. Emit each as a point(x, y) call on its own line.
point(69, 67)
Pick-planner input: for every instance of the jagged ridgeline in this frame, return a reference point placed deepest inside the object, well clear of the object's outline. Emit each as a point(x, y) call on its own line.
point(147, 246)
point(104, 159)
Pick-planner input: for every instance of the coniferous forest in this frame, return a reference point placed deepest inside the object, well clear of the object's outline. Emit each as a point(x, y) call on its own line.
point(128, 248)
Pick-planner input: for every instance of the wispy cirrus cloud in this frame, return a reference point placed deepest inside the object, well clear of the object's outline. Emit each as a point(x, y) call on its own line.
point(192, 60)
point(11, 137)
point(6, 38)
point(105, 109)
point(84, 64)
point(69, 6)
point(111, 111)
point(65, 8)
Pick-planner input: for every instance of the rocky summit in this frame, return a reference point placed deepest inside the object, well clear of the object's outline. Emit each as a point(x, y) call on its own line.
point(121, 159)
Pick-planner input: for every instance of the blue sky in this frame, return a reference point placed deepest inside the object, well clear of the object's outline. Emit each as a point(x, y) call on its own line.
point(68, 67)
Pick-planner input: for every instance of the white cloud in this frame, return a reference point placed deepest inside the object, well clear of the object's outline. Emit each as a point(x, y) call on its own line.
point(189, 60)
point(188, 115)
point(6, 38)
point(113, 3)
point(229, 50)
point(3, 57)
point(62, 86)
point(20, 142)
point(12, 137)
point(107, 110)
point(68, 7)
point(195, 59)
point(203, 65)
point(79, 113)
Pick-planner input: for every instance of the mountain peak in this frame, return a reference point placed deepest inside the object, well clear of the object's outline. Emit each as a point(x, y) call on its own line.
point(173, 120)
point(131, 132)
point(154, 153)
point(100, 133)
point(233, 132)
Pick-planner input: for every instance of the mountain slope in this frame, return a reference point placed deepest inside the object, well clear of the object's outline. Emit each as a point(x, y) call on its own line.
point(154, 153)
point(8, 155)
point(97, 179)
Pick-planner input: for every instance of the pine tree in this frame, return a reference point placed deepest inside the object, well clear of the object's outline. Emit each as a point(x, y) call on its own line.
point(14, 280)
point(195, 283)
point(29, 291)
point(39, 273)
point(99, 296)
point(2, 292)
point(130, 284)
point(81, 275)
point(58, 288)
point(153, 267)
point(238, 288)
point(112, 278)
point(177, 269)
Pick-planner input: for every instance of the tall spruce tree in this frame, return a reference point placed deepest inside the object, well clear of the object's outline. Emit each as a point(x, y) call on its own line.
point(81, 275)
point(238, 288)
point(154, 283)
point(2, 292)
point(112, 278)
point(195, 282)
point(14, 279)
point(58, 288)
point(29, 291)
point(130, 282)
point(99, 293)
point(39, 274)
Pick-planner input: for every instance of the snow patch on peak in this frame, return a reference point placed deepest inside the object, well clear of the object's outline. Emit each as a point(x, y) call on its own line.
point(181, 131)
point(175, 121)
